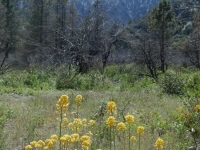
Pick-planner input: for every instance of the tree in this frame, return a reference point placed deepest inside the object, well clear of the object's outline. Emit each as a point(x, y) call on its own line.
point(161, 21)
point(9, 28)
point(193, 43)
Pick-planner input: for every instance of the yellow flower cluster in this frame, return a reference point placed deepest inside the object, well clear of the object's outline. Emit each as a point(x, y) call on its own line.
point(62, 103)
point(86, 142)
point(78, 100)
point(65, 139)
point(76, 124)
point(197, 107)
point(64, 122)
point(111, 121)
point(111, 108)
point(91, 123)
point(129, 118)
point(140, 130)
point(121, 126)
point(74, 138)
point(48, 143)
point(133, 138)
point(159, 143)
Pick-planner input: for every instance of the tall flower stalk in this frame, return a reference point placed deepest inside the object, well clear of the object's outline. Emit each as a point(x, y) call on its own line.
point(129, 120)
point(140, 131)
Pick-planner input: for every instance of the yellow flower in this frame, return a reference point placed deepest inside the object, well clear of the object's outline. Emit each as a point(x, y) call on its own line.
point(86, 143)
point(70, 126)
point(110, 121)
point(41, 142)
point(159, 143)
point(37, 145)
point(33, 143)
point(64, 100)
point(67, 137)
point(79, 98)
point(129, 118)
point(50, 142)
point(111, 107)
point(75, 136)
point(64, 122)
point(197, 107)
point(133, 138)
point(46, 148)
point(89, 133)
point(55, 137)
point(140, 130)
point(28, 147)
point(91, 122)
point(121, 126)
point(84, 138)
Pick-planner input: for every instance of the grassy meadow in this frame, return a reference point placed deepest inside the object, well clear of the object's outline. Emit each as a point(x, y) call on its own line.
point(167, 109)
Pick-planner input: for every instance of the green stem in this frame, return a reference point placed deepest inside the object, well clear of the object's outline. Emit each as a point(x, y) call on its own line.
point(139, 141)
point(110, 139)
point(124, 139)
point(114, 137)
point(129, 136)
point(60, 126)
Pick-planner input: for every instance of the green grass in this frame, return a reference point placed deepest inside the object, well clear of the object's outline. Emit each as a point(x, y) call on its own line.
point(32, 96)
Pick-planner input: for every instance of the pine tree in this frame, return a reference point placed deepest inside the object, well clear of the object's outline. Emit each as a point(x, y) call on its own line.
point(9, 29)
point(161, 19)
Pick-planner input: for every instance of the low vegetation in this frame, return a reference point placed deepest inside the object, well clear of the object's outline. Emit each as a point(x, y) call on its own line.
point(119, 109)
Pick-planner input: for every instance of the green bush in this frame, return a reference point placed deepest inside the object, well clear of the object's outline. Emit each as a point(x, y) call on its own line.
point(172, 83)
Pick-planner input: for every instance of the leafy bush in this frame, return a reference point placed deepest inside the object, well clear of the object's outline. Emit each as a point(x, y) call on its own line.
point(172, 83)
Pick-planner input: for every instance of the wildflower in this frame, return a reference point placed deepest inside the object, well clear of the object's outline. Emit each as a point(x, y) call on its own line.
point(37, 145)
point(91, 122)
point(140, 130)
point(111, 107)
point(75, 136)
point(33, 143)
point(70, 126)
point(41, 142)
point(129, 118)
point(55, 137)
point(133, 138)
point(197, 107)
point(28, 147)
point(64, 122)
point(67, 137)
point(89, 133)
point(63, 100)
point(78, 100)
point(110, 121)
point(86, 143)
point(46, 148)
point(50, 142)
point(159, 143)
point(121, 126)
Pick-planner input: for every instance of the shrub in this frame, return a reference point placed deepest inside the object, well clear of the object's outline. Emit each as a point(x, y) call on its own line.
point(172, 83)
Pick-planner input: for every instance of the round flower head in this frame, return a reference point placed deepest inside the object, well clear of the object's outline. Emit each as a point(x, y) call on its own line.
point(129, 118)
point(159, 143)
point(78, 100)
point(64, 100)
point(140, 130)
point(133, 138)
point(84, 138)
point(91, 122)
point(55, 137)
point(110, 121)
point(121, 126)
point(33, 143)
point(197, 107)
point(28, 147)
point(41, 142)
point(111, 107)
